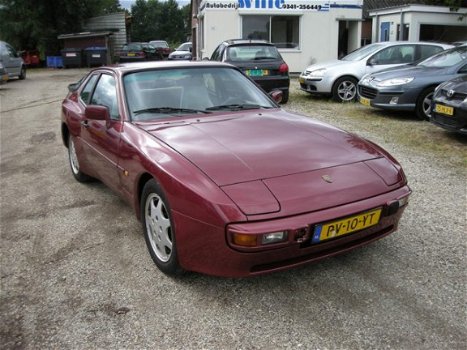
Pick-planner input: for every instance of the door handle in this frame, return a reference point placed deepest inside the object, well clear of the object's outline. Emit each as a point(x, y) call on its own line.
point(85, 123)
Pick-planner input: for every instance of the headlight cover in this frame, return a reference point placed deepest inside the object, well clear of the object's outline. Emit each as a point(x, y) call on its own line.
point(317, 73)
point(395, 81)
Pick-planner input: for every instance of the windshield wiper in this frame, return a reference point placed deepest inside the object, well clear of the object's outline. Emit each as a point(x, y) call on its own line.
point(234, 107)
point(168, 110)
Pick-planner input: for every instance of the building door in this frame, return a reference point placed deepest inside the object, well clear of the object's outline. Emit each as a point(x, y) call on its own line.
point(343, 41)
point(385, 31)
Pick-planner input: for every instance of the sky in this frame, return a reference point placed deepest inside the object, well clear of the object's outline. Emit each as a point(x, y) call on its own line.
point(126, 4)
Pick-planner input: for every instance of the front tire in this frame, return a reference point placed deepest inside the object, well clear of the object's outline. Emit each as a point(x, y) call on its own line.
point(423, 107)
point(285, 96)
point(74, 163)
point(159, 231)
point(345, 89)
point(22, 74)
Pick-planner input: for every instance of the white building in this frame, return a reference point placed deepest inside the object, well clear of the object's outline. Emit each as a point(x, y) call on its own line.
point(419, 22)
point(305, 31)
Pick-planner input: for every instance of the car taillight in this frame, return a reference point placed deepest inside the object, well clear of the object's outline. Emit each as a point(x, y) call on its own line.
point(283, 68)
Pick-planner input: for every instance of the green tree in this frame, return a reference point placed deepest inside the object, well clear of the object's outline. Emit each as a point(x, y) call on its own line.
point(158, 20)
point(28, 24)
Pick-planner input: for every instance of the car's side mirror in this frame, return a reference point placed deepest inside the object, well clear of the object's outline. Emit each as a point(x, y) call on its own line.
point(372, 62)
point(97, 112)
point(73, 87)
point(191, 49)
point(277, 95)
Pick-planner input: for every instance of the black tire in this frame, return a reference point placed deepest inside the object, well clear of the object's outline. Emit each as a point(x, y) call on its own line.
point(423, 106)
point(74, 163)
point(345, 89)
point(22, 74)
point(285, 96)
point(159, 230)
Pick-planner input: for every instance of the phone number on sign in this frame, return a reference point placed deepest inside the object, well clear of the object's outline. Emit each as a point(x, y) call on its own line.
point(301, 7)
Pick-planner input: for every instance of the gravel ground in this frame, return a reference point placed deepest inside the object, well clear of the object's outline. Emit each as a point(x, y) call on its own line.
point(75, 272)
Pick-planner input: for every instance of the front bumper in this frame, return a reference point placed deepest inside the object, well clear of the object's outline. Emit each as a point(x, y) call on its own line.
point(315, 85)
point(394, 98)
point(456, 122)
point(204, 248)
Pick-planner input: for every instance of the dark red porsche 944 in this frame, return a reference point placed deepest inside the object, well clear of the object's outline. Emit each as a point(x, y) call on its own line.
point(223, 180)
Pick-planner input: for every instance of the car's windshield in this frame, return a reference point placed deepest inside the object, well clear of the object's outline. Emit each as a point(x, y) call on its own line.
point(184, 47)
point(167, 93)
point(159, 44)
point(252, 53)
point(362, 52)
point(446, 58)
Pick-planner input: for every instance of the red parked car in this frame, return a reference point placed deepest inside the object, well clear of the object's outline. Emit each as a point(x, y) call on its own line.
point(162, 47)
point(223, 180)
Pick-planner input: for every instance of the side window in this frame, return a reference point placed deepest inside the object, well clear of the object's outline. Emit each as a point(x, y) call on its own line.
point(11, 51)
point(395, 55)
point(105, 94)
point(463, 69)
point(86, 92)
point(426, 51)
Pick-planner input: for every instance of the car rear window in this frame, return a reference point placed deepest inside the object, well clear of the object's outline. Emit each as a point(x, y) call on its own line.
point(134, 47)
point(252, 53)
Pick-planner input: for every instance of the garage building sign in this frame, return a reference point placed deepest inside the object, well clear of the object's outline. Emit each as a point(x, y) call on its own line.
point(270, 5)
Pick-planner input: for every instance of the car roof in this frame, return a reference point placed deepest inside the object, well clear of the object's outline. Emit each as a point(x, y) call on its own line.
point(247, 42)
point(391, 43)
point(123, 68)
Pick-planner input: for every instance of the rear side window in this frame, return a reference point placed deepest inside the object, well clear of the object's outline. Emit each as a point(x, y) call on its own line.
point(428, 50)
point(395, 55)
point(85, 94)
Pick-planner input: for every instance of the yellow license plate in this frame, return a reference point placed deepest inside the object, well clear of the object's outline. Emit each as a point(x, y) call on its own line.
point(257, 72)
point(301, 80)
point(444, 109)
point(346, 226)
point(365, 101)
point(131, 54)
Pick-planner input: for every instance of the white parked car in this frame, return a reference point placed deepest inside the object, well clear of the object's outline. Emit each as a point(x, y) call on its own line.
point(12, 63)
point(339, 78)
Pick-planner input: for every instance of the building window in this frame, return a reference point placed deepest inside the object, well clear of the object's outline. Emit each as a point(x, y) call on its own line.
point(282, 31)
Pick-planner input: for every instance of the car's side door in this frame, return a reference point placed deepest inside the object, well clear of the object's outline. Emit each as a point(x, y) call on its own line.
point(101, 138)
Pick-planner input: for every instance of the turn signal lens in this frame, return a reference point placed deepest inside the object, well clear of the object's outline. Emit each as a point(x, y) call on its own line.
point(244, 239)
point(273, 237)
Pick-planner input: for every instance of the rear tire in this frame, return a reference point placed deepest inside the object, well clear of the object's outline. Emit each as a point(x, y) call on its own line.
point(345, 89)
point(423, 107)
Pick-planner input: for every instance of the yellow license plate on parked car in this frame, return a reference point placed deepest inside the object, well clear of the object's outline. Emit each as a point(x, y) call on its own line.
point(131, 54)
point(301, 80)
point(323, 232)
point(365, 101)
point(257, 72)
point(444, 109)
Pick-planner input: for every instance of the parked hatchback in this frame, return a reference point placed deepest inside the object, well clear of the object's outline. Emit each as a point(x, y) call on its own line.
point(136, 52)
point(162, 47)
point(339, 78)
point(450, 105)
point(183, 52)
point(259, 60)
point(12, 63)
point(411, 88)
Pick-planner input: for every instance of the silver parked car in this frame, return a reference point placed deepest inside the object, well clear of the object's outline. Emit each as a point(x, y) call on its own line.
point(183, 52)
point(12, 63)
point(340, 77)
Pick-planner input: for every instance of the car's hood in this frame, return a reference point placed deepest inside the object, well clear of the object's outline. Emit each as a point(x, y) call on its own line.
point(410, 71)
point(329, 65)
point(180, 53)
point(241, 147)
point(273, 161)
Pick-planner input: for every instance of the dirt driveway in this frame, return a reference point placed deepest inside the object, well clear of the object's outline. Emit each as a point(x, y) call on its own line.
point(75, 272)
